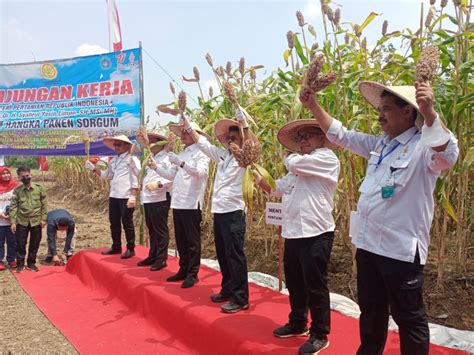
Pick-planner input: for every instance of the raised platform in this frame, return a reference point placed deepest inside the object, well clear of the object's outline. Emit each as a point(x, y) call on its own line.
point(106, 305)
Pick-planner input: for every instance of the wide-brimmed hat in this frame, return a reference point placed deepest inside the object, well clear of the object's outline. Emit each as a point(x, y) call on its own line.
point(178, 128)
point(153, 134)
point(288, 133)
point(371, 91)
point(109, 141)
point(222, 126)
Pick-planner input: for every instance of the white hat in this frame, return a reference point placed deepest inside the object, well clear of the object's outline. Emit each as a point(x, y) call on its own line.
point(222, 126)
point(288, 133)
point(154, 134)
point(178, 129)
point(109, 141)
point(372, 91)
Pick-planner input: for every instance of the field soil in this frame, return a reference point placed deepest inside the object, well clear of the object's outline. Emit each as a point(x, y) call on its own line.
point(24, 329)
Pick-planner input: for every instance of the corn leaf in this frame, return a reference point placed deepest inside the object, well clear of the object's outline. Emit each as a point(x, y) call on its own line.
point(449, 208)
point(286, 56)
point(247, 187)
point(367, 21)
point(299, 51)
point(266, 176)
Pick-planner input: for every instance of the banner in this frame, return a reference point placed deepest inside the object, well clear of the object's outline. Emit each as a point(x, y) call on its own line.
point(51, 107)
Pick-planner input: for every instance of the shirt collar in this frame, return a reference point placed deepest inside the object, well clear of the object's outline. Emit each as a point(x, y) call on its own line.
point(403, 138)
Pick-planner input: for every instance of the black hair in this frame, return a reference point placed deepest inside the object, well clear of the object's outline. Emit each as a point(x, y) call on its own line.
point(62, 222)
point(400, 102)
point(22, 169)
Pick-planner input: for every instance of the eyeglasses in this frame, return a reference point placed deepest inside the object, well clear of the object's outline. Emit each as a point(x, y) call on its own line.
point(306, 136)
point(232, 138)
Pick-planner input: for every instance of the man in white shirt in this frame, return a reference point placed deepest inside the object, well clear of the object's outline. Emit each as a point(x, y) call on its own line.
point(308, 228)
point(391, 226)
point(156, 198)
point(123, 189)
point(228, 207)
point(189, 174)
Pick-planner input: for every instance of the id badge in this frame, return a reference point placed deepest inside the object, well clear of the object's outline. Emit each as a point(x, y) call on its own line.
point(388, 189)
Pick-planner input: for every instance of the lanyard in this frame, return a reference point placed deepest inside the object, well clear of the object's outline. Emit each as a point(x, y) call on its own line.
point(382, 156)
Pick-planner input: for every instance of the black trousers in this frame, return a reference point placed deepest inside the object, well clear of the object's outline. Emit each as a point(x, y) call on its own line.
point(187, 229)
point(156, 219)
point(229, 237)
point(306, 263)
point(21, 239)
point(120, 215)
point(387, 285)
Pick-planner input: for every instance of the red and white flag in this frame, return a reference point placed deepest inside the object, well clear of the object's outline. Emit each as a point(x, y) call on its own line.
point(114, 25)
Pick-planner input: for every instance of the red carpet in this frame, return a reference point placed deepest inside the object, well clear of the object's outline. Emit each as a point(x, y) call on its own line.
point(105, 305)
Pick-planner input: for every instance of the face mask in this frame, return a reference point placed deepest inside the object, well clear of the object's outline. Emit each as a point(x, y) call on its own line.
point(25, 180)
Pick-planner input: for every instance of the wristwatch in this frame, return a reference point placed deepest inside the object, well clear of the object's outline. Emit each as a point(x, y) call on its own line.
point(182, 164)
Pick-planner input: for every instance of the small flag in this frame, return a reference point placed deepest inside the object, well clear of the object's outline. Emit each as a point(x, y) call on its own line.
point(114, 25)
point(43, 163)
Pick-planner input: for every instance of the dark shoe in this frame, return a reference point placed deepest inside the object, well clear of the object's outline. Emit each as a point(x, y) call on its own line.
point(11, 265)
point(180, 276)
point(32, 268)
point(19, 269)
point(111, 251)
point(219, 298)
point(313, 345)
point(145, 262)
point(48, 259)
point(232, 307)
point(158, 265)
point(288, 331)
point(128, 254)
point(189, 282)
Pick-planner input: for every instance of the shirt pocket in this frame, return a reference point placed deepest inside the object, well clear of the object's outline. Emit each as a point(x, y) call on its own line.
point(400, 172)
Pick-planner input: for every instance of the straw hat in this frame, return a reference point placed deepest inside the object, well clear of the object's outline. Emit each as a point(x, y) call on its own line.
point(178, 128)
point(154, 134)
point(372, 91)
point(222, 126)
point(287, 134)
point(109, 141)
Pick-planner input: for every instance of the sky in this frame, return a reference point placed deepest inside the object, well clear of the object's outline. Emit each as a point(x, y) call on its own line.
point(177, 34)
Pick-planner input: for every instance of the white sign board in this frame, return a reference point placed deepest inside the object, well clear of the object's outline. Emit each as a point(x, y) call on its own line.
point(274, 213)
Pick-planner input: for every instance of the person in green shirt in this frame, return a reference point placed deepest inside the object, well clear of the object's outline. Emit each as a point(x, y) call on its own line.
point(28, 215)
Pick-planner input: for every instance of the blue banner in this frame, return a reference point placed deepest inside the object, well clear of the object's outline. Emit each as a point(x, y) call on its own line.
point(51, 107)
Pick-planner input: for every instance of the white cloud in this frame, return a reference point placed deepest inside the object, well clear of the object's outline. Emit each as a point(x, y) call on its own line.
point(14, 74)
point(312, 10)
point(89, 49)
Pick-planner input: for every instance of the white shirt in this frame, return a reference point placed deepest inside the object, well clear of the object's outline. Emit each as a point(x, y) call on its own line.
point(189, 182)
point(227, 194)
point(5, 200)
point(121, 175)
point(395, 227)
point(151, 175)
point(307, 193)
